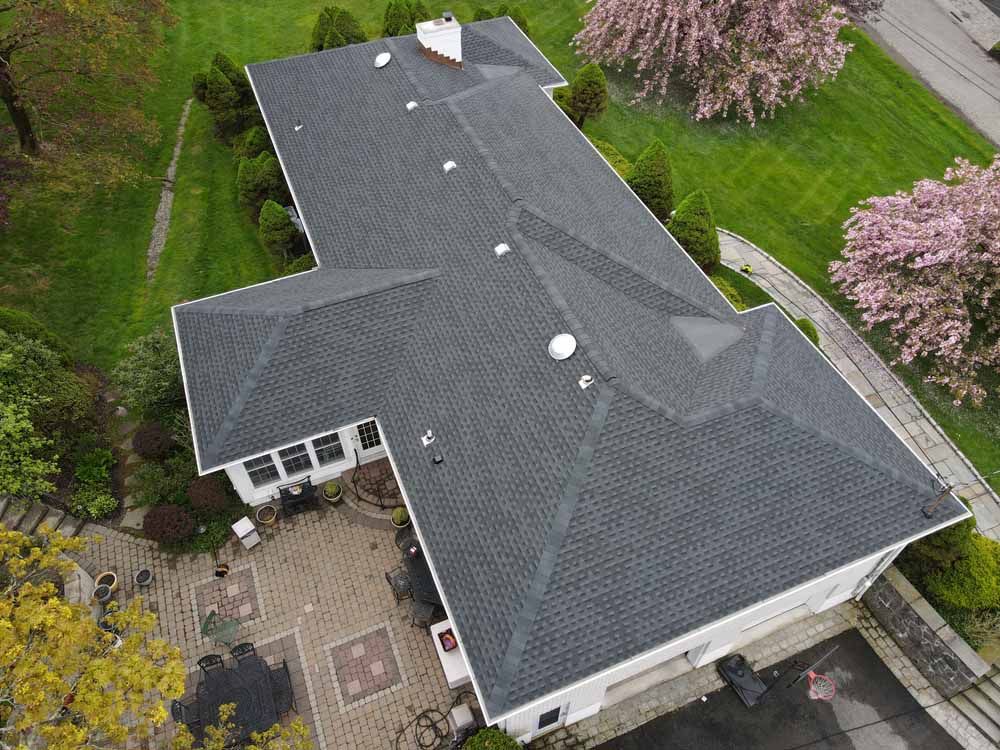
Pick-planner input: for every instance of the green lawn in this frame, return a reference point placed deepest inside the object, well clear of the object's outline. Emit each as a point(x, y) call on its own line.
point(787, 184)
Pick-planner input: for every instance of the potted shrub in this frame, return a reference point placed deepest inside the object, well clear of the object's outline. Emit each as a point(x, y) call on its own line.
point(400, 517)
point(332, 491)
point(267, 515)
point(102, 594)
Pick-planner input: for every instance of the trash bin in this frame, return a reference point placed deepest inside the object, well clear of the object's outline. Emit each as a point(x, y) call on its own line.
point(246, 532)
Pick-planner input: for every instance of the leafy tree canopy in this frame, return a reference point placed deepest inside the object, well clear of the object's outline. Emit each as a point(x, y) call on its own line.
point(149, 375)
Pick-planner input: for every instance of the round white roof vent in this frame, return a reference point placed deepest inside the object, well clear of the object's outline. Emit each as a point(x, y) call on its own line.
point(382, 60)
point(562, 346)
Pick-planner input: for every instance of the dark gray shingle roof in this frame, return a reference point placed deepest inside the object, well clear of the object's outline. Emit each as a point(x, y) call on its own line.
point(570, 528)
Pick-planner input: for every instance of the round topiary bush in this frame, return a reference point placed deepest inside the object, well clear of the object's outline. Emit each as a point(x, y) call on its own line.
point(491, 739)
point(168, 524)
point(729, 292)
point(693, 226)
point(809, 329)
point(152, 440)
point(207, 496)
point(972, 582)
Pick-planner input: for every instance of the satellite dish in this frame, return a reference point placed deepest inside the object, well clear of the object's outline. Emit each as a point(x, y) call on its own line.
point(382, 60)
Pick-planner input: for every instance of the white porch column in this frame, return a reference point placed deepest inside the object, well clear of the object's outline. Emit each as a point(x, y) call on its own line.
point(241, 482)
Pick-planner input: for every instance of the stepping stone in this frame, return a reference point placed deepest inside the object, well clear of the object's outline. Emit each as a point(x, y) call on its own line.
point(133, 517)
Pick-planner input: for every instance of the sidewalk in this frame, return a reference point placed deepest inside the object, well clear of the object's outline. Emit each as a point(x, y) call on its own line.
point(943, 41)
point(866, 372)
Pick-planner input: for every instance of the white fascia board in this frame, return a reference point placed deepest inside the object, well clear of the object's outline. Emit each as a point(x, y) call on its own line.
point(434, 574)
point(759, 307)
point(718, 623)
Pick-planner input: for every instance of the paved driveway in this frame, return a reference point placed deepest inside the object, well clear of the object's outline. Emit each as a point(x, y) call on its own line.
point(872, 711)
point(932, 41)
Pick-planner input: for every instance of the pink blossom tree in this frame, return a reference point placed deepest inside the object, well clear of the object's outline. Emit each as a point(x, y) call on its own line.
point(740, 55)
point(927, 264)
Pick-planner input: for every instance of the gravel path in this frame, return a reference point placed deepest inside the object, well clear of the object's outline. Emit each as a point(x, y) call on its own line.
point(868, 374)
point(161, 224)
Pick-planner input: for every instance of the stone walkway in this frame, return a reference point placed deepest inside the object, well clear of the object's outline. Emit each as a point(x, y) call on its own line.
point(161, 222)
point(313, 594)
point(869, 375)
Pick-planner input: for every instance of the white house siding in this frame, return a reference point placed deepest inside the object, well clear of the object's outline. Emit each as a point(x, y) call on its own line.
point(701, 647)
point(349, 440)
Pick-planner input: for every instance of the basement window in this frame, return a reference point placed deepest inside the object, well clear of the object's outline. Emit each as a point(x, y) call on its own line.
point(295, 459)
point(328, 449)
point(261, 470)
point(549, 718)
point(368, 432)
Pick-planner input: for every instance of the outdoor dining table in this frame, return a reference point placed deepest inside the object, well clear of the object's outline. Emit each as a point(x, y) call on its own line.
point(421, 580)
point(248, 685)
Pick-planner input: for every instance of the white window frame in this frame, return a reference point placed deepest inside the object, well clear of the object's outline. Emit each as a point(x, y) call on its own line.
point(307, 453)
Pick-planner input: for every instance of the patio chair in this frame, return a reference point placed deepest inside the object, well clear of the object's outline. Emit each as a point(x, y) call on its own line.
point(242, 651)
point(399, 582)
point(220, 630)
point(422, 614)
point(210, 663)
point(184, 712)
point(281, 689)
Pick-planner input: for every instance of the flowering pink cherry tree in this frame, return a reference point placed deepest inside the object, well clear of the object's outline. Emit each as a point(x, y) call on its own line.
point(927, 263)
point(740, 55)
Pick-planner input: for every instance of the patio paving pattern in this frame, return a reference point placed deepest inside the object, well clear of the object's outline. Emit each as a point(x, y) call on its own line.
point(317, 593)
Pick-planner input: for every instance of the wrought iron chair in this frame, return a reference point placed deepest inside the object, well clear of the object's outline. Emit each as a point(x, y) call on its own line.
point(281, 689)
point(399, 582)
point(242, 651)
point(422, 614)
point(186, 712)
point(210, 663)
point(220, 630)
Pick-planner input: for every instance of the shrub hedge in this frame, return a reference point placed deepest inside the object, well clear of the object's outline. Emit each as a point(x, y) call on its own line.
point(729, 292)
point(300, 264)
point(809, 329)
point(973, 581)
point(92, 501)
point(652, 181)
point(693, 226)
point(19, 322)
point(276, 231)
point(491, 739)
point(615, 158)
point(208, 496)
point(152, 440)
point(168, 524)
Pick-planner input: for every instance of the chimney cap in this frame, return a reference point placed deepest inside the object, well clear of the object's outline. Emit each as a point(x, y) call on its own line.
point(447, 15)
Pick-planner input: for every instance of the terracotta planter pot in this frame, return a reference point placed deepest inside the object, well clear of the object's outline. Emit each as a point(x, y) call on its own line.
point(266, 515)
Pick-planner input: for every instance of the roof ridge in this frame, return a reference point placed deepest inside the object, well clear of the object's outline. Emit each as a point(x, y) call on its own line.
point(534, 596)
point(412, 276)
point(247, 386)
point(861, 455)
point(620, 261)
point(590, 346)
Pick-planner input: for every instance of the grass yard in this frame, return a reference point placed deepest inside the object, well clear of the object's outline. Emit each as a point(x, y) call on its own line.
point(787, 184)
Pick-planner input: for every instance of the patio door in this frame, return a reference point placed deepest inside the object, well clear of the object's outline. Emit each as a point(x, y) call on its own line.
point(367, 441)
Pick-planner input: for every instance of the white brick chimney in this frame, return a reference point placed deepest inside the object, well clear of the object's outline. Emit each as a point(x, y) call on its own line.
point(441, 40)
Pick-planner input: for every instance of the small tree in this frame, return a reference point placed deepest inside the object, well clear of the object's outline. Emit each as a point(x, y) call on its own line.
point(259, 179)
point(276, 230)
point(588, 96)
point(65, 683)
point(693, 226)
point(251, 142)
point(149, 375)
point(398, 15)
point(334, 39)
point(927, 265)
point(751, 56)
point(223, 100)
point(236, 75)
point(652, 181)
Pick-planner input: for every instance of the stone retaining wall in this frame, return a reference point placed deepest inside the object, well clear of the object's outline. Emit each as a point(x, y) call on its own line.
point(941, 655)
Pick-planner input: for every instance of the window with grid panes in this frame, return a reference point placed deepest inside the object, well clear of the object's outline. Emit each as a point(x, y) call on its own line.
point(261, 470)
point(328, 449)
point(368, 432)
point(295, 459)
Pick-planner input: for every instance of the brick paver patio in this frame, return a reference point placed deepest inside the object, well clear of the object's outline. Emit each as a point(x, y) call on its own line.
point(312, 594)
